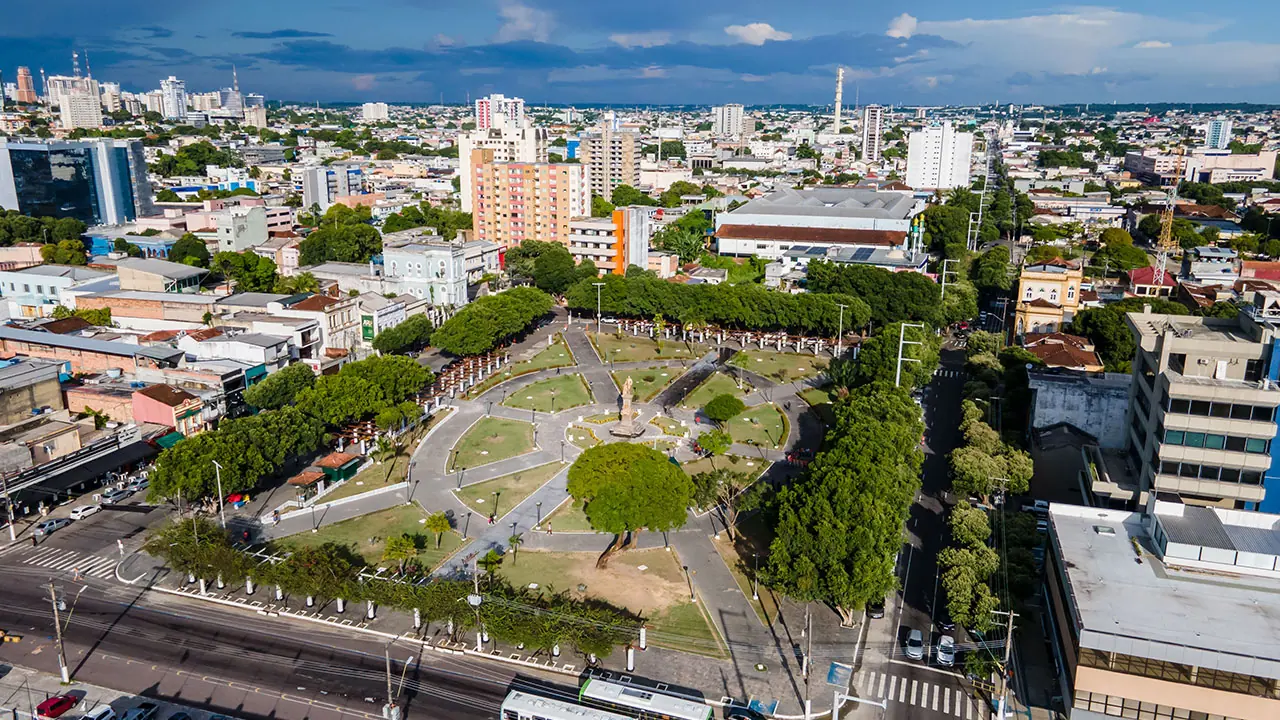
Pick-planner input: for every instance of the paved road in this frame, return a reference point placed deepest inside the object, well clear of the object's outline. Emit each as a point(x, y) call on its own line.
point(185, 651)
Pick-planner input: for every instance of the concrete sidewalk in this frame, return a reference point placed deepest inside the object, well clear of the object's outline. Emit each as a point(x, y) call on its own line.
point(22, 689)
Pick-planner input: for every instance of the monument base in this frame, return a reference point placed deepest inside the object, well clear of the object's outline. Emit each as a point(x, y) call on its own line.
point(627, 430)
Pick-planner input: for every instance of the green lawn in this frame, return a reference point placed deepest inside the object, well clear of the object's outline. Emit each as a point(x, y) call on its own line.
point(684, 627)
point(390, 471)
point(569, 517)
point(551, 395)
point(366, 535)
point(582, 436)
point(606, 418)
point(763, 425)
point(555, 355)
point(738, 557)
point(717, 384)
point(638, 349)
point(646, 383)
point(512, 489)
point(492, 439)
point(755, 466)
point(781, 367)
point(821, 402)
point(669, 426)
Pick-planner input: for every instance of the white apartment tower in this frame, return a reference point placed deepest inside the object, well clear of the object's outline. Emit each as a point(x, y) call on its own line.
point(111, 96)
point(728, 121)
point(173, 94)
point(81, 108)
point(489, 108)
point(938, 158)
point(872, 133)
point(510, 143)
point(374, 112)
point(1217, 135)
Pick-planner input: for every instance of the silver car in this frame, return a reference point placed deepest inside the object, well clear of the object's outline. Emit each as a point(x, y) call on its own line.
point(915, 645)
point(945, 651)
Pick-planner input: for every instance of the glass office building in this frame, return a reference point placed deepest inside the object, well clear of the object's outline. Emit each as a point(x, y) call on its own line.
point(97, 181)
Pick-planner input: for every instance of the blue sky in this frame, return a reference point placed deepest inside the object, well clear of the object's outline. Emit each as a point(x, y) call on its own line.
point(664, 51)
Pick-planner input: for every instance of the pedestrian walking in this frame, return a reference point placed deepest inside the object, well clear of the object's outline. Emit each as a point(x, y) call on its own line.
point(491, 518)
point(548, 528)
point(33, 541)
point(75, 574)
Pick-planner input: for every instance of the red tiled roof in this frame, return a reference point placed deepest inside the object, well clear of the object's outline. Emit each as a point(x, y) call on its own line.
point(1056, 338)
point(1206, 211)
point(167, 394)
point(1041, 302)
point(1146, 276)
point(160, 336)
point(306, 477)
point(1260, 269)
point(205, 334)
point(811, 235)
point(1065, 356)
point(66, 325)
point(315, 303)
point(1087, 296)
point(336, 460)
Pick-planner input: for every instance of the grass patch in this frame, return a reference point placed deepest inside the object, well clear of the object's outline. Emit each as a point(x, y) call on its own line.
point(606, 418)
point(583, 436)
point(639, 349)
point(555, 355)
point(512, 489)
point(737, 463)
point(669, 426)
point(391, 471)
point(781, 367)
point(647, 582)
point(762, 425)
point(551, 395)
point(717, 383)
point(646, 383)
point(492, 439)
point(741, 270)
point(742, 567)
point(366, 536)
point(569, 517)
point(821, 401)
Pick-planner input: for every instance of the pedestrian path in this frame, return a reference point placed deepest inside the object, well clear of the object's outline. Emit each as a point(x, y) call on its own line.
point(943, 699)
point(948, 372)
point(71, 561)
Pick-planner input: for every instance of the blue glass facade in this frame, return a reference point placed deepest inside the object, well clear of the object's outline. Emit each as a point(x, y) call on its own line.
point(1271, 479)
point(99, 182)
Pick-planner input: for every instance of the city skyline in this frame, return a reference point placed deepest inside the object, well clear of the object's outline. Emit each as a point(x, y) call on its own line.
point(565, 51)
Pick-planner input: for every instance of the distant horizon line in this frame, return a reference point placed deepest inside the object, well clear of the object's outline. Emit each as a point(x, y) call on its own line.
point(765, 106)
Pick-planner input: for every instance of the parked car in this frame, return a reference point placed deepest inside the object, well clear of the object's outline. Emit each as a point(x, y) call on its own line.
point(139, 484)
point(945, 651)
point(144, 711)
point(875, 609)
point(52, 525)
point(1039, 507)
point(115, 495)
point(945, 623)
point(102, 712)
point(84, 511)
point(56, 706)
point(915, 645)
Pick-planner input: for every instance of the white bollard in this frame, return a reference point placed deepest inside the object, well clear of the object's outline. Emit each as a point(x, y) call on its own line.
point(310, 601)
point(369, 612)
point(221, 585)
point(248, 586)
point(279, 593)
point(342, 605)
point(204, 587)
point(631, 659)
point(555, 650)
point(417, 618)
point(644, 645)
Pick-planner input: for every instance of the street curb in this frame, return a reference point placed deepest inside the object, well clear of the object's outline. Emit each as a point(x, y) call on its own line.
point(441, 647)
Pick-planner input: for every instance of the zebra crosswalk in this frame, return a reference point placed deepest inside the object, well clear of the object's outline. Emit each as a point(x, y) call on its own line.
point(71, 561)
point(949, 701)
point(948, 372)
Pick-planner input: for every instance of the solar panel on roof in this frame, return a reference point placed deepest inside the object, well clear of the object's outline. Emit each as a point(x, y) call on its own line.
point(863, 254)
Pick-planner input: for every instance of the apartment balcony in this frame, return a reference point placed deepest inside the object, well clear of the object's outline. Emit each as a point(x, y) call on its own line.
point(1196, 387)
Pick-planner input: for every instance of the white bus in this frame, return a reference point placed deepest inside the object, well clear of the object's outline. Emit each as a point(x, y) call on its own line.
point(523, 706)
point(641, 703)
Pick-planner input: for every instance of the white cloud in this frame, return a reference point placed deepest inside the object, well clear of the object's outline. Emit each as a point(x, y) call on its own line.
point(756, 33)
point(655, 38)
point(903, 26)
point(1153, 45)
point(521, 22)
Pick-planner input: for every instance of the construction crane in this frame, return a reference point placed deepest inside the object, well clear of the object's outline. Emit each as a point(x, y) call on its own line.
point(1166, 243)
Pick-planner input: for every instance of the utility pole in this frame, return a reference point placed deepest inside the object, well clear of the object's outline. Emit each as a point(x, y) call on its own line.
point(57, 627)
point(840, 332)
point(217, 473)
point(8, 504)
point(1004, 666)
point(808, 653)
point(903, 342)
point(598, 286)
point(945, 271)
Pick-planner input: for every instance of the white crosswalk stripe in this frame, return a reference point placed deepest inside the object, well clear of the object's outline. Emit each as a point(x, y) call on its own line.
point(60, 560)
point(938, 697)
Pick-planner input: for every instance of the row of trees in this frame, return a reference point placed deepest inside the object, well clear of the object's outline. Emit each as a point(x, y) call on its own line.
point(482, 325)
point(192, 160)
point(839, 527)
point(745, 307)
point(444, 221)
point(254, 447)
point(538, 620)
point(411, 334)
point(549, 265)
point(891, 297)
point(16, 227)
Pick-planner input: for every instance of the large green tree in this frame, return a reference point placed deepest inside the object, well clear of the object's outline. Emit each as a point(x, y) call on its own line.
point(892, 297)
point(190, 250)
point(481, 325)
point(250, 271)
point(628, 487)
point(280, 388)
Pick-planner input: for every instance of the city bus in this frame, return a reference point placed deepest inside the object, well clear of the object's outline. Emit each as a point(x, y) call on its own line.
point(641, 703)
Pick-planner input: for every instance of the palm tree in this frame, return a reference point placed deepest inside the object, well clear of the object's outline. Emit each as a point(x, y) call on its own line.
point(438, 523)
point(399, 549)
point(515, 541)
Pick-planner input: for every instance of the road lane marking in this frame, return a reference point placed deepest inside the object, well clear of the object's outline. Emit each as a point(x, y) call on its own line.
point(893, 680)
point(902, 692)
point(881, 693)
point(913, 692)
point(936, 692)
point(946, 700)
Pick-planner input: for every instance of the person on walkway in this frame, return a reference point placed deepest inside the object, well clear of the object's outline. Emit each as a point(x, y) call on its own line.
point(548, 528)
point(491, 518)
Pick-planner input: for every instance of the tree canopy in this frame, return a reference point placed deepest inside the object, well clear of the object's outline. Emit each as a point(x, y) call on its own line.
point(892, 297)
point(411, 334)
point(250, 271)
point(628, 487)
point(280, 388)
point(190, 250)
point(481, 325)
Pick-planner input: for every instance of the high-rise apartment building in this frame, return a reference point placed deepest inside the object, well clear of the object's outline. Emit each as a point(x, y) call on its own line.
point(173, 94)
point(727, 121)
point(612, 158)
point(1202, 411)
point(255, 117)
point(153, 102)
point(613, 243)
point(489, 108)
point(374, 112)
point(26, 87)
point(872, 133)
point(98, 181)
point(1217, 135)
point(111, 97)
point(525, 144)
point(322, 184)
point(81, 107)
point(938, 158)
point(61, 86)
point(517, 201)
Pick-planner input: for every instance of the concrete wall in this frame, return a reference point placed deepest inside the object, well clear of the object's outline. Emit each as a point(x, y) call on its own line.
point(1094, 404)
point(16, 403)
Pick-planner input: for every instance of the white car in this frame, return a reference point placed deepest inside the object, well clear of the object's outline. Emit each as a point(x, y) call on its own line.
point(945, 651)
point(84, 511)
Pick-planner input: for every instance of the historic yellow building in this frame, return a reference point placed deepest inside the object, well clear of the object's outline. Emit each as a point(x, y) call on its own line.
point(1048, 296)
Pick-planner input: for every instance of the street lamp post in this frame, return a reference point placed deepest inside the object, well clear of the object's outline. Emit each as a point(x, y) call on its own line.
point(598, 286)
point(840, 332)
point(689, 578)
point(755, 579)
point(409, 476)
point(495, 495)
point(217, 472)
point(466, 525)
point(539, 506)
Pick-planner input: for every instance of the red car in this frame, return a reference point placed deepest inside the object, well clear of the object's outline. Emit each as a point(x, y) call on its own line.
point(56, 706)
